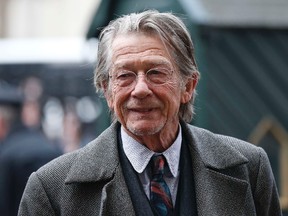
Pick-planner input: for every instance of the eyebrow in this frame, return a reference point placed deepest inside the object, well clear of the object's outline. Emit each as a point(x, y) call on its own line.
point(148, 64)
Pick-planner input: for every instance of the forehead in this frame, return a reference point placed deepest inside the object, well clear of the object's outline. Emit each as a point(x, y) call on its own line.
point(139, 48)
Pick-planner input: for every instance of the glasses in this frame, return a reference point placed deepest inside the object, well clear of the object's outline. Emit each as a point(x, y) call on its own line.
point(154, 76)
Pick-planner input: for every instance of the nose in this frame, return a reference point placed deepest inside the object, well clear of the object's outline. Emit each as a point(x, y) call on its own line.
point(141, 88)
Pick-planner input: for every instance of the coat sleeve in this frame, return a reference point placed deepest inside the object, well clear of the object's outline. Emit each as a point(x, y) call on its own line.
point(266, 194)
point(34, 201)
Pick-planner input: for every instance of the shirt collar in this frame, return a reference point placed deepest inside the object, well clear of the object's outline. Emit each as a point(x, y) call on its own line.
point(139, 155)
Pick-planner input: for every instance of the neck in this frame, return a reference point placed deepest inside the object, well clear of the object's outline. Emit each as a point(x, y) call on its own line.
point(158, 142)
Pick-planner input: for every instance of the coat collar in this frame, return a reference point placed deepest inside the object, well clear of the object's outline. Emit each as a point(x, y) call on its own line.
point(211, 150)
point(98, 160)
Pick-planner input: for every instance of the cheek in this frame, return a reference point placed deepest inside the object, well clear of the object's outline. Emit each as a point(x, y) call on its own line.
point(174, 92)
point(113, 97)
point(110, 99)
point(171, 97)
point(118, 99)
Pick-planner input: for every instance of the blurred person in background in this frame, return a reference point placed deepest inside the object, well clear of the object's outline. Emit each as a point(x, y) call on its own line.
point(31, 110)
point(151, 160)
point(71, 136)
point(22, 150)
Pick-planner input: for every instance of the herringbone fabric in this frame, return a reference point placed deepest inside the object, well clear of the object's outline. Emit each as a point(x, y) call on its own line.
point(90, 181)
point(160, 194)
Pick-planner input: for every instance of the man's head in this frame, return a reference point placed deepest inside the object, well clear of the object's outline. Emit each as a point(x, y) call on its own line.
point(169, 28)
point(147, 71)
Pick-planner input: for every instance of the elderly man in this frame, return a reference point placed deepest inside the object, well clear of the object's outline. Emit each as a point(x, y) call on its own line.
point(150, 161)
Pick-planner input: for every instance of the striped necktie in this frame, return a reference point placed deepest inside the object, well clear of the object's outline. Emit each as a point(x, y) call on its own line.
point(160, 197)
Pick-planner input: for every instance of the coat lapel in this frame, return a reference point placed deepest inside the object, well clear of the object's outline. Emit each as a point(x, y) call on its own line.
point(217, 192)
point(98, 163)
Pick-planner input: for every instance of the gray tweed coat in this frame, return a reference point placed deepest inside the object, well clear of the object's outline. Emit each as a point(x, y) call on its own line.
point(231, 178)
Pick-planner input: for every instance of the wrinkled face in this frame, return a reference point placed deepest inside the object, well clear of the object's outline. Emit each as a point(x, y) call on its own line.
point(141, 101)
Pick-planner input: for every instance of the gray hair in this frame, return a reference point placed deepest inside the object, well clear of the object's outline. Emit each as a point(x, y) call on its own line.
point(169, 28)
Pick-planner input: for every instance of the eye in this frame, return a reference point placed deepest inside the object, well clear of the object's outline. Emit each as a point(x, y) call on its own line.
point(124, 78)
point(123, 75)
point(154, 71)
point(158, 75)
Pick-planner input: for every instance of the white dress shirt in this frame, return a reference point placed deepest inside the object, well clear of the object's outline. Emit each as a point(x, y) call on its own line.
point(139, 157)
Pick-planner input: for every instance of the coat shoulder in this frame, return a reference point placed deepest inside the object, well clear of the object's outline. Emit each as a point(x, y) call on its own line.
point(95, 150)
point(221, 149)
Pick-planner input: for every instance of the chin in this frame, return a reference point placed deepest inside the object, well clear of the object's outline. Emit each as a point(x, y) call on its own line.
point(144, 131)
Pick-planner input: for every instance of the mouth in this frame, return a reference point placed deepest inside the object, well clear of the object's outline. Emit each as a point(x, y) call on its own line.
point(141, 110)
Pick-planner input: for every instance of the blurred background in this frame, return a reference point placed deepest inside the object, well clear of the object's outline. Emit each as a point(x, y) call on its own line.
point(48, 50)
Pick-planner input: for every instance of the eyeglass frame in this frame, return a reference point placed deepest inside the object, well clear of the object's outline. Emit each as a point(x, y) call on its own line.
point(123, 73)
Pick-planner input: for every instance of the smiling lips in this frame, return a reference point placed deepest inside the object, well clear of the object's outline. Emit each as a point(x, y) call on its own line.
point(141, 110)
point(143, 107)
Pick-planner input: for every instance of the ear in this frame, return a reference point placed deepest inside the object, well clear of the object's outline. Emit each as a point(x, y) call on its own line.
point(110, 103)
point(189, 89)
